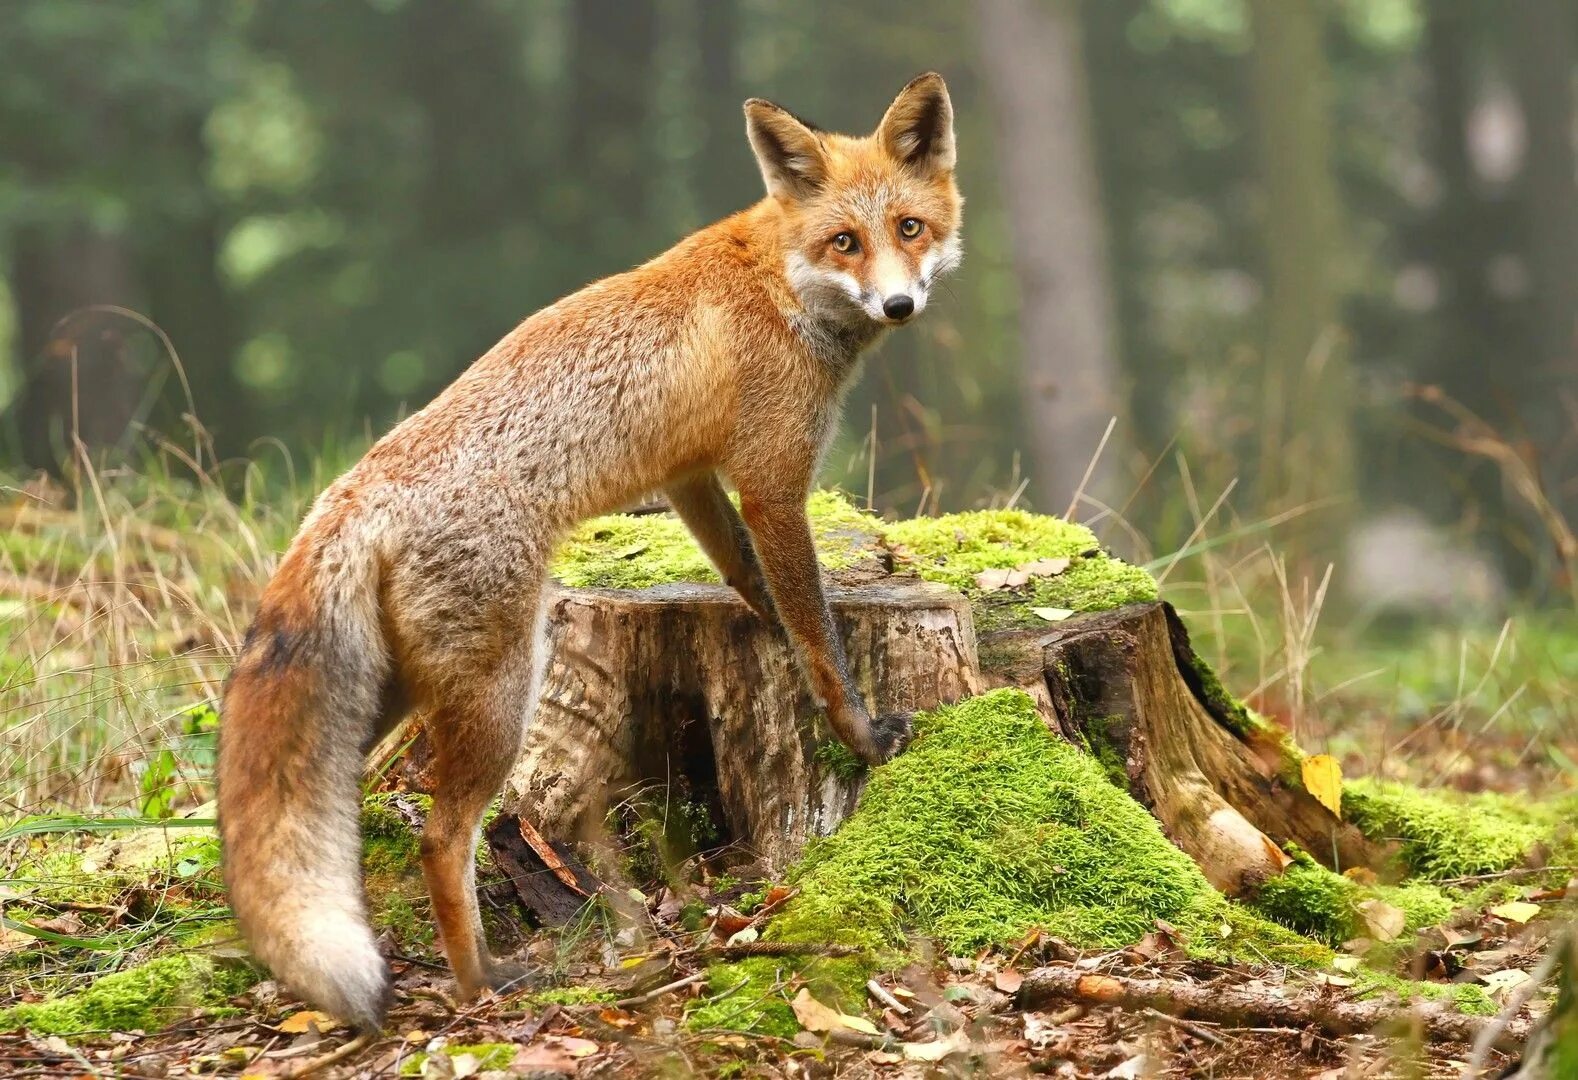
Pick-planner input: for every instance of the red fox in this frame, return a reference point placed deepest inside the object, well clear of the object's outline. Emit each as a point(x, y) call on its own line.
point(415, 580)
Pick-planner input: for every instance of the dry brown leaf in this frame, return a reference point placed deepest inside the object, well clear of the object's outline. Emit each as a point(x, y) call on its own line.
point(992, 580)
point(1052, 614)
point(1008, 981)
point(1045, 567)
point(815, 1016)
point(1383, 921)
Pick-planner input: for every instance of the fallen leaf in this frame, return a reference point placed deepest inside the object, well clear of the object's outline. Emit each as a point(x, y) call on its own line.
point(298, 1023)
point(744, 937)
point(1131, 1069)
point(884, 1057)
point(1323, 779)
point(815, 1016)
point(1518, 911)
point(1498, 984)
point(1346, 964)
point(1008, 981)
point(1384, 922)
point(1046, 567)
point(992, 580)
point(464, 1065)
point(1052, 614)
point(1362, 874)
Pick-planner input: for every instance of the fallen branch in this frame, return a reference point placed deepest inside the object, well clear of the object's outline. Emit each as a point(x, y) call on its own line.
point(652, 995)
point(1260, 1006)
point(777, 948)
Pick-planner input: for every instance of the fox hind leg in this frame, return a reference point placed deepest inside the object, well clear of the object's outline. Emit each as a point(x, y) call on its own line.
point(476, 741)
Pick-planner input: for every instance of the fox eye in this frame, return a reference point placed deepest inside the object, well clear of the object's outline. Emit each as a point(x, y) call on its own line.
point(910, 228)
point(846, 243)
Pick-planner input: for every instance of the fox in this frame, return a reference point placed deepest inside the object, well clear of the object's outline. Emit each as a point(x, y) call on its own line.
point(415, 583)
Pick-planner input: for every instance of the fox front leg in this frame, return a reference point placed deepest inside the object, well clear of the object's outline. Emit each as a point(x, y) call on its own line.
point(782, 534)
point(705, 509)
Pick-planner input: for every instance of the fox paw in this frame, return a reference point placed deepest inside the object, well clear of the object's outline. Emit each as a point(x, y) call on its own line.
point(891, 733)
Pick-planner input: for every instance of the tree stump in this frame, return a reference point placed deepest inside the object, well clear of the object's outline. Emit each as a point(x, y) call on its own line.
point(680, 688)
point(1126, 685)
point(684, 681)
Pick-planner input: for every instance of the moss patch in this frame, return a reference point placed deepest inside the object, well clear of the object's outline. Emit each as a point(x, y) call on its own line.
point(630, 551)
point(146, 997)
point(1446, 834)
point(1324, 905)
point(989, 826)
point(488, 1055)
point(392, 868)
point(952, 549)
point(572, 995)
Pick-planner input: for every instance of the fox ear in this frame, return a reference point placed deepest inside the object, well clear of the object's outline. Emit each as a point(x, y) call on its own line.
point(786, 148)
point(917, 129)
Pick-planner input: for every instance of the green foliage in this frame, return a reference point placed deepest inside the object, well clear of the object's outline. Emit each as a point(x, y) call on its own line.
point(1324, 905)
point(1447, 834)
point(839, 759)
point(572, 995)
point(488, 1055)
point(147, 997)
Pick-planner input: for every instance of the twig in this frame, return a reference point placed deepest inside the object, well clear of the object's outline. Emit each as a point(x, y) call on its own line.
point(1520, 871)
point(333, 1057)
point(876, 990)
point(1183, 1025)
point(652, 995)
point(778, 948)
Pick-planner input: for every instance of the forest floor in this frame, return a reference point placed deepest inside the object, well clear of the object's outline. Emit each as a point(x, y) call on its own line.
point(114, 631)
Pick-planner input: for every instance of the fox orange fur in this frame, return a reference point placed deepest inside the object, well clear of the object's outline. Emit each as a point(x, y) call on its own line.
point(414, 582)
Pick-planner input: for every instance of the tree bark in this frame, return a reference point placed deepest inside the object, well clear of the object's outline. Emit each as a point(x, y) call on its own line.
point(651, 685)
point(1036, 74)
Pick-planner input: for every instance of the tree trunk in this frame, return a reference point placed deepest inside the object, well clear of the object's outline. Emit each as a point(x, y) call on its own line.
point(79, 381)
point(1036, 74)
point(680, 688)
point(1306, 453)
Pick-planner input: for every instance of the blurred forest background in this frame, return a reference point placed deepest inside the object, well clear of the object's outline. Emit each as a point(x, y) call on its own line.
point(1318, 256)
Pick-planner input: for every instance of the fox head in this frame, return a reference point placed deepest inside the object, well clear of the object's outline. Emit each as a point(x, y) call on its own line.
point(869, 223)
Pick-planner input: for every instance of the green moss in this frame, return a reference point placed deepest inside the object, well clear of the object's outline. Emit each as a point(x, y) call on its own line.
point(839, 759)
point(954, 548)
point(988, 826)
point(746, 996)
point(392, 868)
point(1313, 900)
point(572, 995)
point(146, 997)
point(488, 1055)
point(1445, 834)
point(627, 551)
point(1100, 746)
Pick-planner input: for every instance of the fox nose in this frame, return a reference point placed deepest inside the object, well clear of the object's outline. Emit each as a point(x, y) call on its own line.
point(898, 306)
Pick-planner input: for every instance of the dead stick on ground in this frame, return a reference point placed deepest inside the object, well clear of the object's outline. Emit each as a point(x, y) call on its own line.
point(333, 1057)
point(1238, 1004)
point(667, 988)
point(876, 990)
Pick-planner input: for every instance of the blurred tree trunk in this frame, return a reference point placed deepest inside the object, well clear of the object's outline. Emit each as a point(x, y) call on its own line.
point(1543, 56)
point(189, 301)
point(78, 379)
point(1034, 67)
point(1306, 451)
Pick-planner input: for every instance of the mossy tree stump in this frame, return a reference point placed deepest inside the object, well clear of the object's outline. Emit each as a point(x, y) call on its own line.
point(669, 680)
